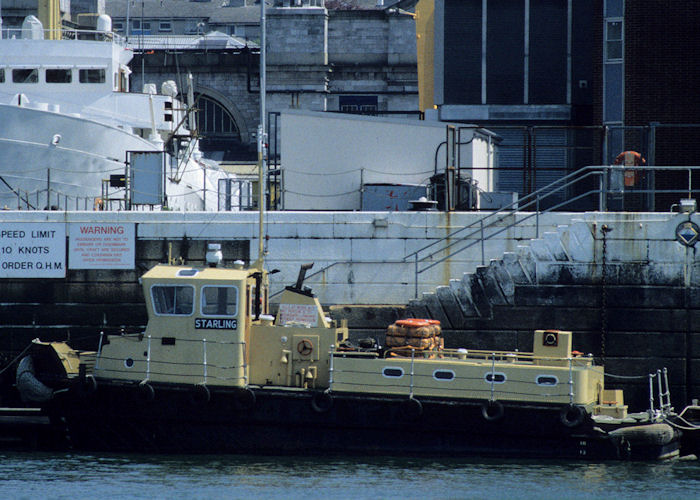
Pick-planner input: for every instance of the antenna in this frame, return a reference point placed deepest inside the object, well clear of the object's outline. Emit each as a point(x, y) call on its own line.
point(261, 138)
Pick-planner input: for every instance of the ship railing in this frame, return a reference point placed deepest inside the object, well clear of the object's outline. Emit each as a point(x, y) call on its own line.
point(530, 208)
point(64, 34)
point(505, 356)
point(202, 372)
point(489, 384)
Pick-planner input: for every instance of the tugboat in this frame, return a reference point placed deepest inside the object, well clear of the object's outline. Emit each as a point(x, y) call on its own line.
point(214, 372)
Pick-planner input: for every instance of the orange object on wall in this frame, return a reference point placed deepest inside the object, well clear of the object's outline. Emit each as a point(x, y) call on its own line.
point(631, 159)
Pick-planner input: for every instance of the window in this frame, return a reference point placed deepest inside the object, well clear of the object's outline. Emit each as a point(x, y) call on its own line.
point(172, 299)
point(91, 76)
point(139, 27)
point(443, 375)
point(58, 76)
point(2, 75)
point(613, 40)
point(358, 104)
point(165, 26)
point(28, 75)
point(219, 300)
point(496, 378)
point(118, 26)
point(549, 380)
point(392, 372)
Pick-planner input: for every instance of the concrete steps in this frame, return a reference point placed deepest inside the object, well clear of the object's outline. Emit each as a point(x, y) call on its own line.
point(556, 256)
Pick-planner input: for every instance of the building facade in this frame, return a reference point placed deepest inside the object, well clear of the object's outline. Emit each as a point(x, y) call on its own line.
point(569, 83)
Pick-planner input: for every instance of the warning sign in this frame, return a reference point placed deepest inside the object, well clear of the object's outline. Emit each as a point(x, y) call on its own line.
point(32, 250)
point(101, 246)
point(305, 314)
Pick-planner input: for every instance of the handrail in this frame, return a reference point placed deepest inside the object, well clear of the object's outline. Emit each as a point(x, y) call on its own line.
point(535, 198)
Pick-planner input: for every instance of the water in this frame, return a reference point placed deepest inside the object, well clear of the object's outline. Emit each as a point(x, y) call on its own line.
point(108, 476)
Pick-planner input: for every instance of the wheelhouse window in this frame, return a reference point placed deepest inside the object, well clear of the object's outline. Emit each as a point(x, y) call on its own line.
point(165, 26)
point(173, 300)
point(219, 301)
point(25, 75)
point(58, 76)
point(91, 75)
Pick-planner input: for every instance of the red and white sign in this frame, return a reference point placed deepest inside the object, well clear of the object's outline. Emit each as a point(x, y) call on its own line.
point(303, 314)
point(101, 246)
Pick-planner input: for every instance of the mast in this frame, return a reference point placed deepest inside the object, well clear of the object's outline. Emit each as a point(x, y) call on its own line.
point(261, 139)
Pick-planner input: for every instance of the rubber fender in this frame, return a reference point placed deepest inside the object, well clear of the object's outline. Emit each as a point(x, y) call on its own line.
point(321, 402)
point(200, 394)
point(146, 391)
point(492, 411)
point(245, 399)
point(29, 387)
point(89, 384)
point(647, 434)
point(571, 416)
point(412, 408)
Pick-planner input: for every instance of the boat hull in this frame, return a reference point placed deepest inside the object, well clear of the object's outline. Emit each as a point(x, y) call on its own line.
point(171, 419)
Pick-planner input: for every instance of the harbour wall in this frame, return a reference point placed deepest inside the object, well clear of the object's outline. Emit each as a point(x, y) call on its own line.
point(629, 291)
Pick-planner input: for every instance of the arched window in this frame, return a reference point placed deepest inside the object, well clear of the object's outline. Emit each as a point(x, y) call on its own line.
point(220, 137)
point(213, 119)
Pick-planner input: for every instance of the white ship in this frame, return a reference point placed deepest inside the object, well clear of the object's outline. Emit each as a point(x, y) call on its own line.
point(72, 136)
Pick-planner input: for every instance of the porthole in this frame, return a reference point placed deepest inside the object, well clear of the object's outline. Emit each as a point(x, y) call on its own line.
point(548, 380)
point(444, 375)
point(496, 378)
point(128, 362)
point(392, 372)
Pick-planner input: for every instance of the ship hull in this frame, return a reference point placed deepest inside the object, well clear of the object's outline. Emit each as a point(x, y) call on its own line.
point(172, 419)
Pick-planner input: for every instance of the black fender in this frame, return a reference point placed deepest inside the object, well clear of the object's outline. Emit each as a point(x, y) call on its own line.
point(571, 415)
point(146, 391)
point(200, 394)
point(492, 411)
point(321, 402)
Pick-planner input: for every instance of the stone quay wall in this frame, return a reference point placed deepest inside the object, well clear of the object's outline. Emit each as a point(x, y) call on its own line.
point(629, 292)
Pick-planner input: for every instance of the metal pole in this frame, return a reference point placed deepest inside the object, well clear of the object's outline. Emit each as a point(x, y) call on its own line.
point(493, 374)
point(413, 354)
point(330, 379)
point(99, 350)
point(204, 348)
point(651, 395)
point(483, 255)
point(416, 274)
point(261, 134)
point(148, 359)
point(571, 382)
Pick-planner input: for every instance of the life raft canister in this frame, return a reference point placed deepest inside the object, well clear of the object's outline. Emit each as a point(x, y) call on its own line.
point(631, 159)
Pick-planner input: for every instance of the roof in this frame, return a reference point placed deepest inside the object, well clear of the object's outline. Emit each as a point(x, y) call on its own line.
point(214, 40)
point(184, 9)
point(217, 11)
